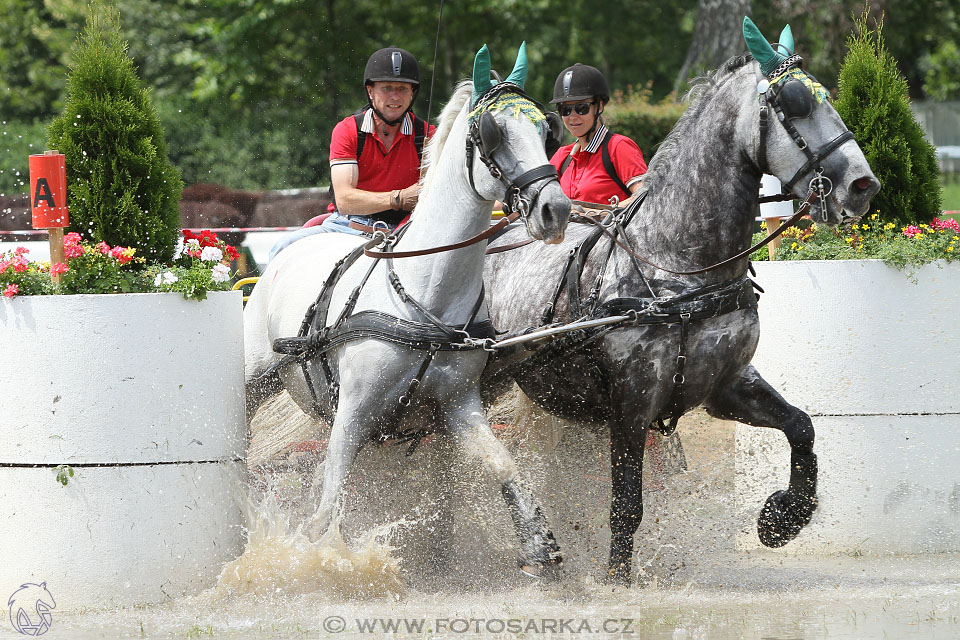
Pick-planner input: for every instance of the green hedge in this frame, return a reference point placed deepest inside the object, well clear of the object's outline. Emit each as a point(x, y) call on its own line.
point(18, 140)
point(633, 114)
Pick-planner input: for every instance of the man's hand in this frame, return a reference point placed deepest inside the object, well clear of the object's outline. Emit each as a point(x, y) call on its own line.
point(409, 197)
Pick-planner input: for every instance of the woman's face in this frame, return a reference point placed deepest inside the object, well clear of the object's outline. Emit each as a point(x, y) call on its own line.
point(580, 116)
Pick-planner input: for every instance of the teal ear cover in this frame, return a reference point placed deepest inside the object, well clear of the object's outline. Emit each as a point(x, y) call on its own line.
point(786, 39)
point(481, 74)
point(760, 47)
point(519, 74)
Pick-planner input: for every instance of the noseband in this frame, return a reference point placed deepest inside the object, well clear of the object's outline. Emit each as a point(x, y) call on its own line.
point(791, 100)
point(485, 137)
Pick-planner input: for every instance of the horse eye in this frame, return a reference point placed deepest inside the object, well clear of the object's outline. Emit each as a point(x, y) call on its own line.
point(795, 99)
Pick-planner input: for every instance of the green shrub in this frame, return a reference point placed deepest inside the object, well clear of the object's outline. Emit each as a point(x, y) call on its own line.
point(633, 114)
point(121, 187)
point(874, 103)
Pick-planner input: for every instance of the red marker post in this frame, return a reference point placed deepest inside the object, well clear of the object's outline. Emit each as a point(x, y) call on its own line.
point(48, 200)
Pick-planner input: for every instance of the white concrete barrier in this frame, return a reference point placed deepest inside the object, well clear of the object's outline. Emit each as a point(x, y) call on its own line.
point(142, 395)
point(874, 358)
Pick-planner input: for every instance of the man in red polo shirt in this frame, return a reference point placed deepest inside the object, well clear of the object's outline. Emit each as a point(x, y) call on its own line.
point(375, 154)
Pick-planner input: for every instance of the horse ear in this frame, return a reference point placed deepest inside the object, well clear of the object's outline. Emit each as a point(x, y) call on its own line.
point(760, 47)
point(519, 74)
point(786, 40)
point(481, 74)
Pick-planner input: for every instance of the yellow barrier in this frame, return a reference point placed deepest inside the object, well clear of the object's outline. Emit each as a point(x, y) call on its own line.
point(242, 282)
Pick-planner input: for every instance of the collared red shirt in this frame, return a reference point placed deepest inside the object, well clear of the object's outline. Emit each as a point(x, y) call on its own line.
point(586, 179)
point(378, 169)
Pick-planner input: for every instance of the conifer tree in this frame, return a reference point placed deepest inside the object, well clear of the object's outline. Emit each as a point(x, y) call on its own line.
point(873, 101)
point(121, 186)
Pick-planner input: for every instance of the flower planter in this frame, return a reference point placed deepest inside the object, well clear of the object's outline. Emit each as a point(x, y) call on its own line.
point(874, 358)
point(142, 395)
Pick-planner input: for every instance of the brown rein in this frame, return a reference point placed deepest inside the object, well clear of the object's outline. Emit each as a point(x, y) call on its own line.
point(483, 235)
point(804, 207)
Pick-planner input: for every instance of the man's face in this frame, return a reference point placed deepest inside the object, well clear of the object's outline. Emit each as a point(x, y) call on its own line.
point(391, 99)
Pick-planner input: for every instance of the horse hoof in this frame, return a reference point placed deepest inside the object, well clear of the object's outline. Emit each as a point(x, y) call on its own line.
point(783, 516)
point(550, 571)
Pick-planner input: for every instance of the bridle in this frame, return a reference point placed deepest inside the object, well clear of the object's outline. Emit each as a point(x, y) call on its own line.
point(485, 137)
point(791, 100)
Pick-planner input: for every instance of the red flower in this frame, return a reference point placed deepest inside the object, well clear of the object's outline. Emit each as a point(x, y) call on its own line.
point(188, 235)
point(59, 269)
point(103, 248)
point(72, 250)
point(231, 252)
point(208, 238)
point(71, 238)
point(11, 290)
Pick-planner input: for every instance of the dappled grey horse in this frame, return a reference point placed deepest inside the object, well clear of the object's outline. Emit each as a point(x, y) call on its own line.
point(687, 333)
point(391, 342)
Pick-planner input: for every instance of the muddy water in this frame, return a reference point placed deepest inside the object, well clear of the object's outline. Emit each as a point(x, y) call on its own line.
point(401, 565)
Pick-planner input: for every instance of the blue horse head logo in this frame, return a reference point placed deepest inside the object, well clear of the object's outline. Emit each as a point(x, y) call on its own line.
point(30, 607)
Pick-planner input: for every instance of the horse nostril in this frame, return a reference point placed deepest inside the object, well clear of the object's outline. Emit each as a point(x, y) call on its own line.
point(863, 183)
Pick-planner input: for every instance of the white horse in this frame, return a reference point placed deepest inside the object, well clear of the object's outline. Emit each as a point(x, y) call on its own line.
point(367, 383)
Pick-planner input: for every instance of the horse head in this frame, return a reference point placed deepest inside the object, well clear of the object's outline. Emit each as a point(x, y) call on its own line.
point(802, 139)
point(508, 136)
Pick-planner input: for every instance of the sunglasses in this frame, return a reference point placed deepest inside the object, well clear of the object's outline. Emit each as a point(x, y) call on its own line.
point(582, 108)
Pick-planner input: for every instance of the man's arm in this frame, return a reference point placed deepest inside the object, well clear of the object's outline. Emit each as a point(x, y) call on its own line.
point(352, 201)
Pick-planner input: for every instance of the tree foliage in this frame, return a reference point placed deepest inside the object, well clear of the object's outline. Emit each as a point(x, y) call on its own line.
point(121, 187)
point(874, 103)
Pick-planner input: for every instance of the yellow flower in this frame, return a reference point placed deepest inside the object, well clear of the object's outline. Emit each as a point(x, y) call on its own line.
point(794, 245)
point(855, 227)
point(865, 227)
point(874, 216)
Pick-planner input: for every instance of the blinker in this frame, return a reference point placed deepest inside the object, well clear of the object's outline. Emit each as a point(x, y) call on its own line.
point(490, 135)
point(555, 134)
point(795, 99)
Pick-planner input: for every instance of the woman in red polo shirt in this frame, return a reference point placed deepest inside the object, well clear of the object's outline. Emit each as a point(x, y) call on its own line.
point(601, 166)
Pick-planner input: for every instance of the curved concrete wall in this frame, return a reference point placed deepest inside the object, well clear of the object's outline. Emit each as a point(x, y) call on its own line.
point(874, 358)
point(143, 395)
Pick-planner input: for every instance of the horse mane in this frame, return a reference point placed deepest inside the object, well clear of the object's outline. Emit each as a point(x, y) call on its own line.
point(704, 88)
point(458, 101)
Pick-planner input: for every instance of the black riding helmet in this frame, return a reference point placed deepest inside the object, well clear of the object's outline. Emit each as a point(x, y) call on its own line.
point(391, 64)
point(580, 82)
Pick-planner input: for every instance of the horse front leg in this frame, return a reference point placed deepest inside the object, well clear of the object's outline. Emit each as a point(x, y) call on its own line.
point(627, 439)
point(751, 400)
point(352, 428)
point(467, 423)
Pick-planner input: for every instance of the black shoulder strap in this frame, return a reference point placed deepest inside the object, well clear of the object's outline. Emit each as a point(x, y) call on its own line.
point(361, 135)
point(608, 164)
point(420, 135)
point(564, 165)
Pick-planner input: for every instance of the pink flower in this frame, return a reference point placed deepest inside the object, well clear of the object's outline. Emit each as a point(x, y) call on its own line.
point(4, 264)
point(72, 250)
point(59, 269)
point(71, 238)
point(123, 255)
point(20, 264)
point(103, 247)
point(11, 290)
point(912, 231)
point(21, 251)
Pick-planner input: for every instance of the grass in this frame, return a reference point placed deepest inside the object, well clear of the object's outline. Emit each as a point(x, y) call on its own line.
point(951, 195)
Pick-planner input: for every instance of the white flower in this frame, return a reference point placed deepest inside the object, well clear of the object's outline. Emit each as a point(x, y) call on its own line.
point(179, 250)
point(211, 254)
point(193, 243)
point(221, 272)
point(167, 277)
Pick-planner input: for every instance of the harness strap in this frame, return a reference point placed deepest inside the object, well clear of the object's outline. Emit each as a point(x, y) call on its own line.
point(675, 407)
point(815, 158)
